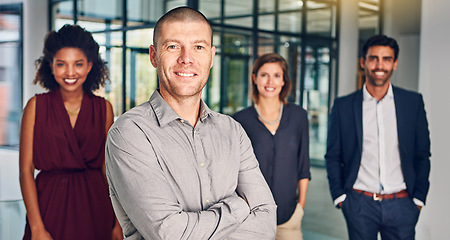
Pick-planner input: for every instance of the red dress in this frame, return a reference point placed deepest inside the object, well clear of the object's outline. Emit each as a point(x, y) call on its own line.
point(72, 190)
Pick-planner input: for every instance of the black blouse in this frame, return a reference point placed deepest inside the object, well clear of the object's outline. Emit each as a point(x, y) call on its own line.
point(283, 157)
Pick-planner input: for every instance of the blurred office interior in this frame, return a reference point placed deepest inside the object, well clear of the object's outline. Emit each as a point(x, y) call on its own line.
point(319, 38)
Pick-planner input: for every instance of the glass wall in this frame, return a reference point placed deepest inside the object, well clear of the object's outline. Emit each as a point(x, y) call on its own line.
point(369, 18)
point(10, 73)
point(369, 23)
point(303, 32)
point(316, 94)
point(12, 209)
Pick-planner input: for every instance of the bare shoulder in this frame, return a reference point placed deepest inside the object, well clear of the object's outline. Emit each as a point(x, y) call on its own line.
point(30, 108)
point(31, 102)
point(27, 128)
point(109, 115)
point(109, 108)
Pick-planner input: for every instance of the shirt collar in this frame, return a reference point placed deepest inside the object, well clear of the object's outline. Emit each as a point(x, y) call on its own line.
point(165, 113)
point(367, 96)
point(205, 111)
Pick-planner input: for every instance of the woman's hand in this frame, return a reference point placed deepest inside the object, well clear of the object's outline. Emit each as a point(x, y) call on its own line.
point(41, 235)
point(117, 232)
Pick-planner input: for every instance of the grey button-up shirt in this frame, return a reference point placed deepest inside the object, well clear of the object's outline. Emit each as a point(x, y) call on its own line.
point(169, 180)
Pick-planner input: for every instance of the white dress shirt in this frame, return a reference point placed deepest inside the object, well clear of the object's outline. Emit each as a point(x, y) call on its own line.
point(380, 170)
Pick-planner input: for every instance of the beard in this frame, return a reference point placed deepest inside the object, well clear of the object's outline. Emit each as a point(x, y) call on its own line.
point(375, 80)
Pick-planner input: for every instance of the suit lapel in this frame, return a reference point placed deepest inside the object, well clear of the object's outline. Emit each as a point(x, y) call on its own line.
point(401, 116)
point(357, 109)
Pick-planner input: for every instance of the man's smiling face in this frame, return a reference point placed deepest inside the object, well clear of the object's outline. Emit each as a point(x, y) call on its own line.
point(379, 64)
point(184, 56)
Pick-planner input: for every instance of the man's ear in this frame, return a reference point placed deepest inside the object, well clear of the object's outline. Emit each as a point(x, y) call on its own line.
point(361, 62)
point(213, 54)
point(395, 64)
point(152, 54)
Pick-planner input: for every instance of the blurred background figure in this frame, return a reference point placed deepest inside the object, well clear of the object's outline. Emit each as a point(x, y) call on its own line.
point(63, 135)
point(279, 134)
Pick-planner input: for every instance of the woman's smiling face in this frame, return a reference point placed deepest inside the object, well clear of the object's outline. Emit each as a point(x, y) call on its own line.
point(70, 67)
point(269, 80)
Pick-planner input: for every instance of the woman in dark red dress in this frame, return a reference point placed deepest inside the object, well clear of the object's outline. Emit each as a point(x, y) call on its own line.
point(63, 135)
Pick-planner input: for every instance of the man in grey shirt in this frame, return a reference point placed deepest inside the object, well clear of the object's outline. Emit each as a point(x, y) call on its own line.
point(176, 169)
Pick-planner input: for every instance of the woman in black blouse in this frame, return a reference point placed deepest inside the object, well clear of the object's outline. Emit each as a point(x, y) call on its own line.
point(279, 134)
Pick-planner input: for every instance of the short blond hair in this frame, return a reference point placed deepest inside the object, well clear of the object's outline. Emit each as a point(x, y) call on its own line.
point(179, 14)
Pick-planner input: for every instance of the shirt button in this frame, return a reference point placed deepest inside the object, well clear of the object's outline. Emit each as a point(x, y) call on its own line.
point(207, 201)
point(201, 164)
point(182, 120)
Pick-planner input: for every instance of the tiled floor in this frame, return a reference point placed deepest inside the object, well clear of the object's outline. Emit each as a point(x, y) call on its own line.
point(322, 221)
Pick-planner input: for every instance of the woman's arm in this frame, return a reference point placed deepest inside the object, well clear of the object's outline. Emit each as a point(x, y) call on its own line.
point(304, 161)
point(108, 123)
point(302, 189)
point(117, 230)
point(26, 165)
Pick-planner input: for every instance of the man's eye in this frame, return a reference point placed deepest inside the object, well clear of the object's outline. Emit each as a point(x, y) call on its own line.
point(172, 47)
point(199, 47)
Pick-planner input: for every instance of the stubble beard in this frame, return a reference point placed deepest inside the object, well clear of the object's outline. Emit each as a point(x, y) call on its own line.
point(179, 94)
point(370, 75)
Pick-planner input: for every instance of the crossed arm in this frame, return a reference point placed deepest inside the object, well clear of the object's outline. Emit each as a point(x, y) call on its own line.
point(149, 206)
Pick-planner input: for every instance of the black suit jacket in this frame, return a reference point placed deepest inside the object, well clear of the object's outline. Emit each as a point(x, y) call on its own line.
point(344, 143)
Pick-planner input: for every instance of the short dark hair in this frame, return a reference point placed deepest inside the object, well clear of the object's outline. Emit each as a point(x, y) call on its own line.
point(272, 58)
point(179, 14)
point(380, 40)
point(72, 36)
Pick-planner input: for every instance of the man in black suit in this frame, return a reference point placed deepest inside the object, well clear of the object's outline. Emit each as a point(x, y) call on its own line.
point(378, 150)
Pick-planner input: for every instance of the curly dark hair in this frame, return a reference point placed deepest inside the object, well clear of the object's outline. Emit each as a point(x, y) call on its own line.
point(76, 37)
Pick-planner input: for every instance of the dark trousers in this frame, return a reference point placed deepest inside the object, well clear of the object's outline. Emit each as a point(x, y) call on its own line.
point(393, 218)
